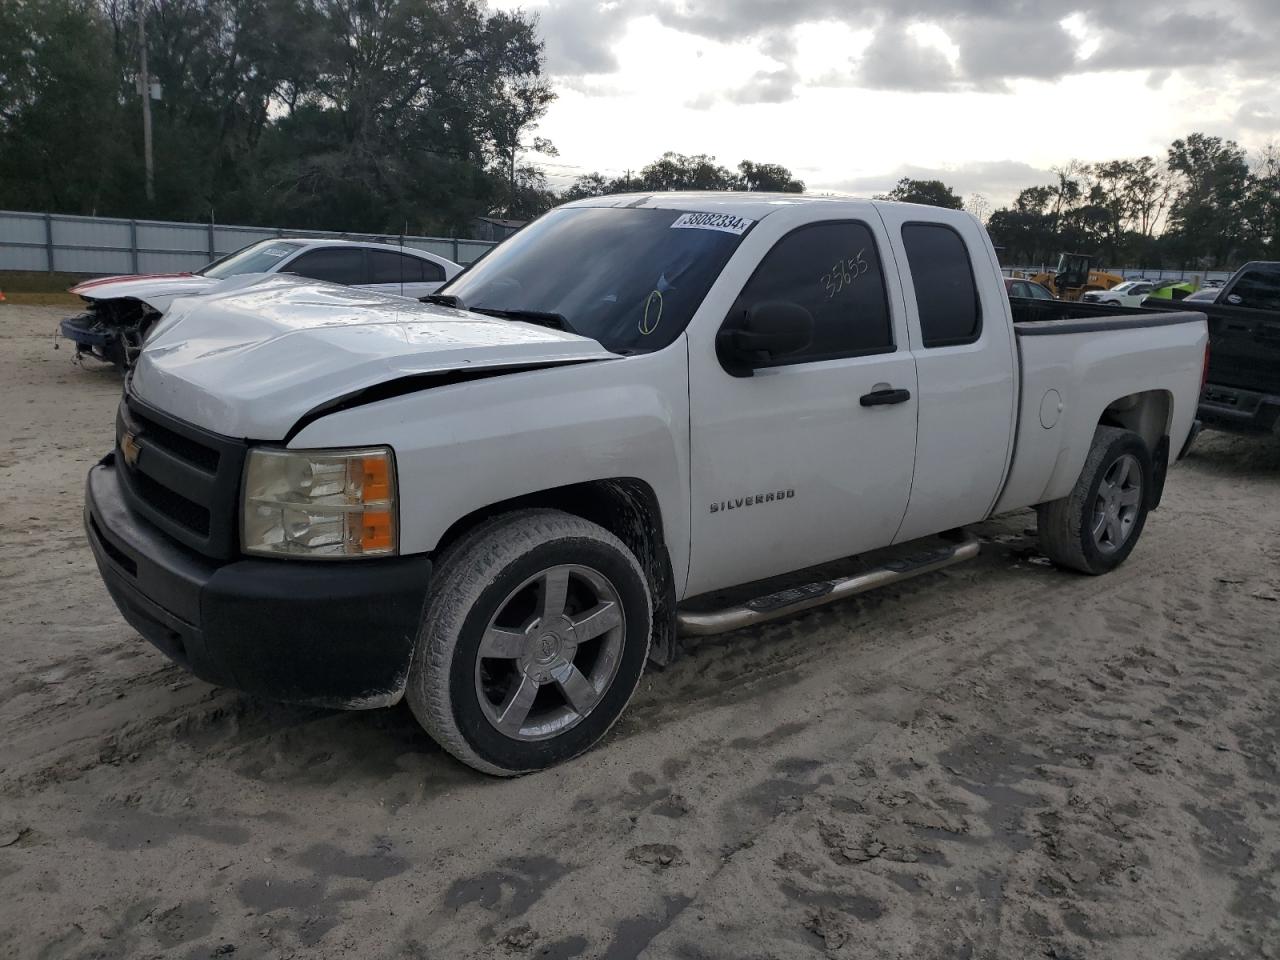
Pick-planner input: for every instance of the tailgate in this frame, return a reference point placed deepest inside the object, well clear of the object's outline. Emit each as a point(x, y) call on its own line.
point(1244, 348)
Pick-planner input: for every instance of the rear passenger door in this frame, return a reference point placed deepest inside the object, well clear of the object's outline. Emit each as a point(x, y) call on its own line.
point(801, 463)
point(403, 273)
point(966, 364)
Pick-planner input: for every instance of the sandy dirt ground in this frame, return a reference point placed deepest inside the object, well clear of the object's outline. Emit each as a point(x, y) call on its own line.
point(1001, 760)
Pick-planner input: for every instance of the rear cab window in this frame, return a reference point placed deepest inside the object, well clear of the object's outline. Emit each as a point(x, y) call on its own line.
point(946, 293)
point(1259, 289)
point(834, 271)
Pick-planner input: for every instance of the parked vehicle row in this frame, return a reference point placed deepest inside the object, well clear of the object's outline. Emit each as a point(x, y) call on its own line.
point(1242, 390)
point(499, 504)
point(1127, 294)
point(1027, 289)
point(122, 311)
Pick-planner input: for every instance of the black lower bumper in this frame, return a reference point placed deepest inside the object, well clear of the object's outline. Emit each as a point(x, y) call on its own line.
point(87, 334)
point(338, 633)
point(1239, 411)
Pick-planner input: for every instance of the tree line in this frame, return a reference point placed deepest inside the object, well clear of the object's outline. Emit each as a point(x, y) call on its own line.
point(1204, 205)
point(371, 115)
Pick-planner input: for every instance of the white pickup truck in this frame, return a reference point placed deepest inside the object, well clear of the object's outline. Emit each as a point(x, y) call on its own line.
point(502, 503)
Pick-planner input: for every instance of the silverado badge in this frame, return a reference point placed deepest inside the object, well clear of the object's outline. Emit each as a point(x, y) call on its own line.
point(739, 502)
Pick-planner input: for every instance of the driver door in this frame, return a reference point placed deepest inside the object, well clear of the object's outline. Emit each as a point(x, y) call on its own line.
point(810, 458)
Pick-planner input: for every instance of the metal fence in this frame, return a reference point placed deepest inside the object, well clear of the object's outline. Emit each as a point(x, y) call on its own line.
point(55, 242)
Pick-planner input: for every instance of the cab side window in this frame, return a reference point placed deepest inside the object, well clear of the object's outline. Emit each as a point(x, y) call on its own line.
point(946, 293)
point(833, 270)
point(334, 264)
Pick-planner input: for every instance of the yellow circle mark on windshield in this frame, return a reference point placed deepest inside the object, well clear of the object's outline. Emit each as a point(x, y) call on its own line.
point(652, 317)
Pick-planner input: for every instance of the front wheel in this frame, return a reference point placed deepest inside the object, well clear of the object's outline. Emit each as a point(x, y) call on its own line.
point(1096, 526)
point(533, 641)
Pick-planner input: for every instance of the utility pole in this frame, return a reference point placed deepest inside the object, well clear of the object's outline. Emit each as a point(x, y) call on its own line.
point(515, 145)
point(144, 87)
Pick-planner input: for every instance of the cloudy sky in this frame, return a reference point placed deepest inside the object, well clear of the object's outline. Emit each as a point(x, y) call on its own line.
point(986, 94)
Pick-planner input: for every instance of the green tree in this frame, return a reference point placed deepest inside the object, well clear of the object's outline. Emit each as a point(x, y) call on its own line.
point(65, 143)
point(343, 114)
point(771, 177)
point(676, 171)
point(1206, 216)
point(933, 193)
point(589, 185)
point(1261, 207)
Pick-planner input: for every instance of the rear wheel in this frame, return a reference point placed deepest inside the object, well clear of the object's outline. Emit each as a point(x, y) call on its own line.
point(533, 642)
point(1095, 527)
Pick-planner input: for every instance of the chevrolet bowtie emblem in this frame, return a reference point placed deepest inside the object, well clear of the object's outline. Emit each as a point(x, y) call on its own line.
point(129, 448)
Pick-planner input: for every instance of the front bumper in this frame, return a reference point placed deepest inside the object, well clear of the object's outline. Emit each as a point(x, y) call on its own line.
point(337, 634)
point(87, 335)
point(1239, 411)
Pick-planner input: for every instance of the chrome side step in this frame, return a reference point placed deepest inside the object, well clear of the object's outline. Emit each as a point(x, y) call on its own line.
point(787, 602)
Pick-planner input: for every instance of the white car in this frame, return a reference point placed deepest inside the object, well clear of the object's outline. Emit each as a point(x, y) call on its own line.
point(500, 504)
point(1128, 294)
point(123, 309)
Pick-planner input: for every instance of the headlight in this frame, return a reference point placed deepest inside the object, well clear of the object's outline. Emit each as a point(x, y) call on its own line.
point(319, 503)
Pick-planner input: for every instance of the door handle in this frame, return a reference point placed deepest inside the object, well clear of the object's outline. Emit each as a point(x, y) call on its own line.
point(884, 398)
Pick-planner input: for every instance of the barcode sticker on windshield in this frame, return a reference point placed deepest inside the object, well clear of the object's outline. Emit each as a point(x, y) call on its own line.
point(724, 222)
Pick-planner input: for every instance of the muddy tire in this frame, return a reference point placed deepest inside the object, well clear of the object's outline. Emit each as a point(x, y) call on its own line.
point(1096, 526)
point(533, 640)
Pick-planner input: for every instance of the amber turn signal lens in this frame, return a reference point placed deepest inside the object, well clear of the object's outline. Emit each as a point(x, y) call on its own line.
point(376, 480)
point(376, 531)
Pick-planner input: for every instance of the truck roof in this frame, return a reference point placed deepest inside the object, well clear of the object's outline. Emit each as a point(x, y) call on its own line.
point(755, 206)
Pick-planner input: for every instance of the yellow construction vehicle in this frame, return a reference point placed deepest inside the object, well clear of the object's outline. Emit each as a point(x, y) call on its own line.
point(1075, 276)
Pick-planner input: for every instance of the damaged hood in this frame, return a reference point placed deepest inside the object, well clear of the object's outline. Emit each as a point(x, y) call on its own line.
point(157, 290)
point(250, 363)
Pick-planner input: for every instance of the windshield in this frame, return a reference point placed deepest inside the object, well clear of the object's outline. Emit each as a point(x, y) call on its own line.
point(629, 278)
point(256, 258)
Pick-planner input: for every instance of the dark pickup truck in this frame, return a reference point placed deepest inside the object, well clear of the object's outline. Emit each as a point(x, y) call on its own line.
point(1242, 393)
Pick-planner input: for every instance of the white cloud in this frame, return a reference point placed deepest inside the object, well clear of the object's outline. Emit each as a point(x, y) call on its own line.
point(844, 91)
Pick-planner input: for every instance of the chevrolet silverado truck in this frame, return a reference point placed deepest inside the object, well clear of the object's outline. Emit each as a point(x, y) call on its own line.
point(639, 417)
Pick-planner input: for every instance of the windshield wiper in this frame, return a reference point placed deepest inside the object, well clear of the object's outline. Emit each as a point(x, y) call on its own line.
point(442, 299)
point(556, 321)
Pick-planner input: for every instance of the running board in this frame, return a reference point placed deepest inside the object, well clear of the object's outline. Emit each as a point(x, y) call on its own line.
point(793, 600)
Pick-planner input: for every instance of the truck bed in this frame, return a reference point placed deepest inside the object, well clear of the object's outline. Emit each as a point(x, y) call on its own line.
point(1028, 312)
point(1077, 358)
point(1242, 393)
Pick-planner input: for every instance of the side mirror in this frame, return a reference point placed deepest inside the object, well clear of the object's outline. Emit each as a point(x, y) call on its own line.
point(767, 331)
